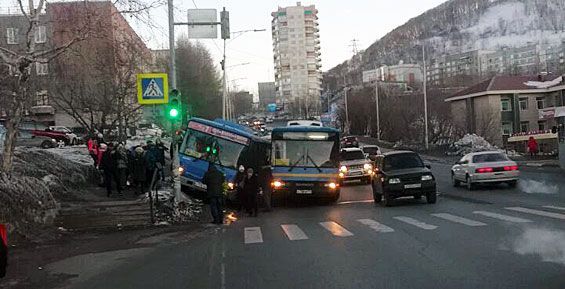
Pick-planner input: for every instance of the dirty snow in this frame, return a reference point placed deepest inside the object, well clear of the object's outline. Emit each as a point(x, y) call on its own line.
point(471, 143)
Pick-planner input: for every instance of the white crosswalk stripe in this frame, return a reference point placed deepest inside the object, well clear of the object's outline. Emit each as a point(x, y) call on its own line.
point(537, 212)
point(253, 235)
point(376, 225)
point(502, 217)
point(555, 208)
point(416, 223)
point(293, 232)
point(336, 229)
point(459, 220)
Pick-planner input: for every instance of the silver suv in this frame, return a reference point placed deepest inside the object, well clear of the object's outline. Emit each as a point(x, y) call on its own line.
point(355, 165)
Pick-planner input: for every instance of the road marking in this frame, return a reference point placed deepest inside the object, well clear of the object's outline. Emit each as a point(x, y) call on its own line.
point(555, 208)
point(293, 232)
point(537, 212)
point(376, 225)
point(253, 235)
point(459, 220)
point(502, 217)
point(356, 202)
point(336, 229)
point(223, 275)
point(416, 223)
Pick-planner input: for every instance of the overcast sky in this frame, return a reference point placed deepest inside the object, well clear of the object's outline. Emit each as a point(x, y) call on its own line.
point(340, 22)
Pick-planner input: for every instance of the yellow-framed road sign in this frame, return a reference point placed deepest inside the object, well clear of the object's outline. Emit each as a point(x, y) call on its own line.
point(152, 88)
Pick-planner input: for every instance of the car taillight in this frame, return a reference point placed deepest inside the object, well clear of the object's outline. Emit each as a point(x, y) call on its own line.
point(484, 170)
point(511, 168)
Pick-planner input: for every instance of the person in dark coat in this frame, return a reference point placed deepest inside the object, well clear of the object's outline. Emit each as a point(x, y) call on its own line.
point(108, 168)
point(138, 171)
point(120, 159)
point(239, 178)
point(3, 250)
point(250, 191)
point(151, 158)
point(214, 180)
point(160, 156)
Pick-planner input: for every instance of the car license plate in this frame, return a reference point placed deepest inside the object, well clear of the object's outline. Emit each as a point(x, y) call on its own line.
point(412, 186)
point(304, 192)
point(357, 173)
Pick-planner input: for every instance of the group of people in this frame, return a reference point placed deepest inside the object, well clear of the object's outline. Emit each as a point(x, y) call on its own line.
point(247, 188)
point(121, 166)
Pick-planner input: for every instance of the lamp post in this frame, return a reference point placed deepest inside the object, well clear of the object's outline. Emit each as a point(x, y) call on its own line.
point(426, 137)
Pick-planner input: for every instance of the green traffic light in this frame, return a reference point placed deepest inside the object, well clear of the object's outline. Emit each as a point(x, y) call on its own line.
point(173, 112)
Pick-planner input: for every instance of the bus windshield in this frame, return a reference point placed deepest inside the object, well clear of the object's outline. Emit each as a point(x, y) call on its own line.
point(304, 153)
point(228, 152)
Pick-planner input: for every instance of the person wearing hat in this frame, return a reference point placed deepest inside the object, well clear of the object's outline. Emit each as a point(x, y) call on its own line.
point(138, 170)
point(108, 168)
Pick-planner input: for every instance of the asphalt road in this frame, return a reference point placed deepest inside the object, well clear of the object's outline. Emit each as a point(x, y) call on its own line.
point(494, 237)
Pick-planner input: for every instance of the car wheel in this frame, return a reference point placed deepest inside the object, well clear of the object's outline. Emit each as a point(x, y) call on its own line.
point(513, 184)
point(387, 199)
point(454, 181)
point(45, 144)
point(431, 197)
point(470, 185)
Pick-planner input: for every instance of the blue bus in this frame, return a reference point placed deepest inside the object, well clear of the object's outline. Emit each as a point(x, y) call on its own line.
point(305, 163)
point(226, 144)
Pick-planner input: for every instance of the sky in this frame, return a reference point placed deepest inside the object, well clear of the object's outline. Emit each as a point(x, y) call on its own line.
point(340, 22)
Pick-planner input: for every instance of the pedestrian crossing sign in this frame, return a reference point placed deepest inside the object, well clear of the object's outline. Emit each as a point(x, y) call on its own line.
point(152, 88)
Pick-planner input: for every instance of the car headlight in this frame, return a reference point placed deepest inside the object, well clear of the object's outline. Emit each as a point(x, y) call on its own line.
point(343, 169)
point(394, 181)
point(427, 177)
point(277, 184)
point(341, 175)
point(181, 170)
point(231, 186)
point(331, 185)
point(367, 167)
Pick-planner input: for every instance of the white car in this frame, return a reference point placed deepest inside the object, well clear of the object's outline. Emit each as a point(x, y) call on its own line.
point(73, 138)
point(490, 167)
point(355, 166)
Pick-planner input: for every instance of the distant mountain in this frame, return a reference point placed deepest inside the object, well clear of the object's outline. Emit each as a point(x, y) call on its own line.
point(463, 25)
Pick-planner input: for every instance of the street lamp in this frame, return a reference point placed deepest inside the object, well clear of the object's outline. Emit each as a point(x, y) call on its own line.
point(425, 89)
point(346, 109)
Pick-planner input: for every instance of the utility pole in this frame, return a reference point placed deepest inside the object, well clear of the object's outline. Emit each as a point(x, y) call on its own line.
point(346, 109)
point(224, 83)
point(425, 97)
point(173, 78)
point(377, 108)
point(172, 56)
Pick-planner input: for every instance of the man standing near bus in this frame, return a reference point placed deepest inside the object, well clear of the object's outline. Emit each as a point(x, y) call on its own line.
point(214, 180)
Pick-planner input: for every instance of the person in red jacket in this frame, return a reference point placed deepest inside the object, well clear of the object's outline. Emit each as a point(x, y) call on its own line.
point(93, 149)
point(532, 146)
point(3, 250)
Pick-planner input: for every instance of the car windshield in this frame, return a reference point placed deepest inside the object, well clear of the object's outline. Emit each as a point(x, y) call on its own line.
point(352, 155)
point(490, 158)
point(304, 153)
point(371, 150)
point(228, 152)
point(402, 161)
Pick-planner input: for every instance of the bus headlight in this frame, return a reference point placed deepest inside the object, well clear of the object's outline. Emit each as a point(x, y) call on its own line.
point(342, 175)
point(367, 167)
point(181, 170)
point(277, 184)
point(343, 169)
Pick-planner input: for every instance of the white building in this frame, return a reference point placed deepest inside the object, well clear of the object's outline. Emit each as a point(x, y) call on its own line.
point(296, 49)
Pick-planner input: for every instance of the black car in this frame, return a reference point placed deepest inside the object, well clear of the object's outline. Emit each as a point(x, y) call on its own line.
point(349, 142)
point(401, 174)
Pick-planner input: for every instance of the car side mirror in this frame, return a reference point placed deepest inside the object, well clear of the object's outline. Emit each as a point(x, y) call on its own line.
point(429, 166)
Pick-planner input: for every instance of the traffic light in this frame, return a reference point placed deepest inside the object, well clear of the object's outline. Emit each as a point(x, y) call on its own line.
point(173, 110)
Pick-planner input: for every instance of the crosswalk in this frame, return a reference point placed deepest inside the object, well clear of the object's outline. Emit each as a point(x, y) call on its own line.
point(254, 235)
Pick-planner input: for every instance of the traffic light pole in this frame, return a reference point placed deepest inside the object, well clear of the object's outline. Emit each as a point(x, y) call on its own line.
point(224, 84)
point(173, 77)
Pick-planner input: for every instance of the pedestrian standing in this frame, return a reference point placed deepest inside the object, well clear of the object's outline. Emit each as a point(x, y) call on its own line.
point(265, 178)
point(250, 192)
point(138, 170)
point(239, 181)
point(151, 158)
point(160, 156)
point(93, 149)
point(532, 146)
point(107, 167)
point(214, 180)
point(3, 250)
point(120, 159)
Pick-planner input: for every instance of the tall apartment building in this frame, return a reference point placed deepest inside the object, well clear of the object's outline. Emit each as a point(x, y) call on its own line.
point(267, 93)
point(296, 49)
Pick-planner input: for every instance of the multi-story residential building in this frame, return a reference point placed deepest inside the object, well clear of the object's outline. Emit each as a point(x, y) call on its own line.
point(110, 53)
point(405, 74)
point(510, 109)
point(267, 94)
point(296, 49)
point(444, 70)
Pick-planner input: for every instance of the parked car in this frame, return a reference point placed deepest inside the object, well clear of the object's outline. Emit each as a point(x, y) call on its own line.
point(355, 166)
point(73, 138)
point(57, 136)
point(371, 152)
point(349, 142)
point(26, 138)
point(490, 167)
point(401, 174)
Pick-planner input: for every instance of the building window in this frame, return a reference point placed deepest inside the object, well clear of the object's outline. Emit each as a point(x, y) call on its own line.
point(524, 103)
point(40, 35)
point(41, 68)
point(42, 98)
point(540, 102)
point(524, 126)
point(505, 104)
point(542, 124)
point(507, 128)
point(12, 35)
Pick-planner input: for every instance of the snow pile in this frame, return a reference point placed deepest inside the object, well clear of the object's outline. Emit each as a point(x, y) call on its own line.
point(188, 210)
point(471, 143)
